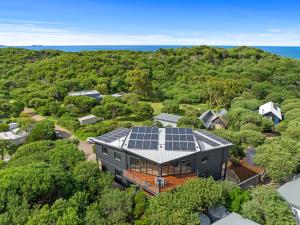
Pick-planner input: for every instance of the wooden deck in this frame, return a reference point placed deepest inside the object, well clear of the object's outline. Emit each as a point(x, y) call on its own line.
point(147, 181)
point(244, 171)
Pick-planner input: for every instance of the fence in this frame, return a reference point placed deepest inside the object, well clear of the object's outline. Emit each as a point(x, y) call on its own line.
point(251, 182)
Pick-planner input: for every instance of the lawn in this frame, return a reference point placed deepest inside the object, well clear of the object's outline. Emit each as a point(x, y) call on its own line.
point(157, 106)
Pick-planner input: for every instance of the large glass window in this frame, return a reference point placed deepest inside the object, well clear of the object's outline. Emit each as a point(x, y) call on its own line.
point(165, 170)
point(104, 150)
point(186, 166)
point(117, 156)
point(174, 168)
point(134, 163)
point(143, 166)
point(152, 168)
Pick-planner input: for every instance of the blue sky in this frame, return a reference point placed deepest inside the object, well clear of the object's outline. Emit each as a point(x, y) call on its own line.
point(189, 22)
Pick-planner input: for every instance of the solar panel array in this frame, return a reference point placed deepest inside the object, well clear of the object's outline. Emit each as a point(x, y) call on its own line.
point(214, 137)
point(114, 135)
point(180, 139)
point(143, 138)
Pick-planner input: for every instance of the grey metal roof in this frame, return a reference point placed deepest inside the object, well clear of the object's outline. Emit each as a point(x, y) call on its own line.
point(161, 155)
point(167, 117)
point(86, 92)
point(290, 192)
point(234, 219)
point(87, 117)
point(207, 117)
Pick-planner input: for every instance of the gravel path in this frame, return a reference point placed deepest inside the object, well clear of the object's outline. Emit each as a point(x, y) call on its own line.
point(66, 134)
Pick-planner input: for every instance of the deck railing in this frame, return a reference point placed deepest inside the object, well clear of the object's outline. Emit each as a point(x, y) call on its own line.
point(141, 182)
point(251, 182)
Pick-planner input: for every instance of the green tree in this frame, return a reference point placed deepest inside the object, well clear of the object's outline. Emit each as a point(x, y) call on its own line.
point(170, 106)
point(4, 127)
point(6, 147)
point(267, 208)
point(143, 111)
point(279, 156)
point(139, 82)
point(192, 122)
point(43, 130)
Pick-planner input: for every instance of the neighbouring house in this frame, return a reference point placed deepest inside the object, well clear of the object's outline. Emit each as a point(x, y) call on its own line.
point(235, 219)
point(160, 159)
point(167, 120)
point(118, 95)
point(214, 120)
point(271, 111)
point(15, 136)
point(13, 126)
point(90, 119)
point(89, 93)
point(290, 192)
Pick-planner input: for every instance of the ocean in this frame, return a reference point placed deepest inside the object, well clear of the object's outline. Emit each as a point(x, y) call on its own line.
point(289, 52)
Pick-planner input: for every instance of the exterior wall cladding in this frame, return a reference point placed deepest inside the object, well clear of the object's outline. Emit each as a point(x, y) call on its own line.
point(204, 164)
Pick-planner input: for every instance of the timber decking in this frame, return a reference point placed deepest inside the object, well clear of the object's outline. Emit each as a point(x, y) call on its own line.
point(147, 181)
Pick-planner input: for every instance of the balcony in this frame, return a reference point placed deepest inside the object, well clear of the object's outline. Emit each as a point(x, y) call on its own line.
point(148, 183)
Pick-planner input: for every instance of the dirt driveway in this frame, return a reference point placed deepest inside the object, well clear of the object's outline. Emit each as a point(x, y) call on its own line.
point(66, 134)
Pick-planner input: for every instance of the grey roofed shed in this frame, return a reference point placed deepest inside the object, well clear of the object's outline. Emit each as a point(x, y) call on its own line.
point(167, 117)
point(88, 93)
point(235, 219)
point(290, 192)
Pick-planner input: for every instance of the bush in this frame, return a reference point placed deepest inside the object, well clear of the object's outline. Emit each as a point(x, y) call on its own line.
point(170, 106)
point(69, 123)
point(4, 127)
point(192, 122)
point(43, 130)
point(143, 111)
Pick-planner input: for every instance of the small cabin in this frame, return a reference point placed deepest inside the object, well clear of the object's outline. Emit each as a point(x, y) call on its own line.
point(214, 120)
point(90, 119)
point(271, 111)
point(89, 93)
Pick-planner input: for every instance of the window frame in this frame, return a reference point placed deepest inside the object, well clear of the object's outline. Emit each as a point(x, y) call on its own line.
point(117, 156)
point(104, 150)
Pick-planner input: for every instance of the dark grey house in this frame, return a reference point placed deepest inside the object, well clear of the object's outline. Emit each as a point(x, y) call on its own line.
point(160, 159)
point(89, 93)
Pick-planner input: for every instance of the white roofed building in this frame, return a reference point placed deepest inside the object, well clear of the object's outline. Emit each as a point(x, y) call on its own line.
point(89, 93)
point(90, 119)
point(167, 120)
point(271, 111)
point(15, 136)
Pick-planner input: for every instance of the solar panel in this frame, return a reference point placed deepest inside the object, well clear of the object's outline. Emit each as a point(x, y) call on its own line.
point(180, 146)
point(214, 137)
point(144, 138)
point(114, 135)
point(206, 140)
point(179, 139)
